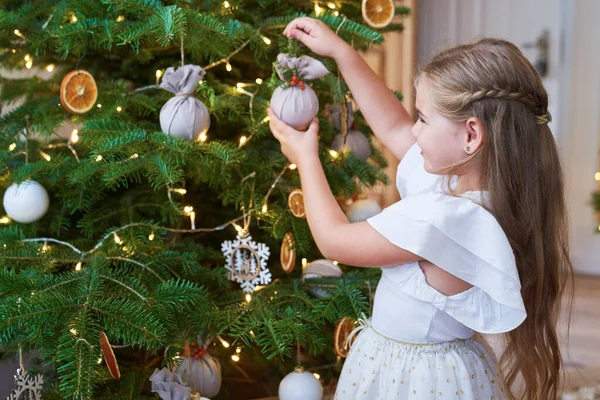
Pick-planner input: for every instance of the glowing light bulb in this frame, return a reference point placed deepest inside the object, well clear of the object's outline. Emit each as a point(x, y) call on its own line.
point(188, 209)
point(331, 5)
point(193, 219)
point(29, 64)
point(120, 18)
point(73, 18)
point(304, 263)
point(46, 156)
point(293, 166)
point(243, 140)
point(4, 220)
point(597, 176)
point(226, 4)
point(18, 33)
point(248, 298)
point(316, 375)
point(99, 360)
point(235, 358)
point(73, 331)
point(78, 266)
point(74, 136)
point(12, 146)
point(98, 158)
point(50, 67)
point(336, 13)
point(119, 109)
point(266, 40)
point(333, 153)
point(238, 350)
point(223, 342)
point(239, 229)
point(228, 67)
point(264, 208)
point(99, 105)
point(318, 9)
point(259, 81)
point(151, 236)
point(203, 137)
point(265, 119)
point(117, 238)
point(158, 73)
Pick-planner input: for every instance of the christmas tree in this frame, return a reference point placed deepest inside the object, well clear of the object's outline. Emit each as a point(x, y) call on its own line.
point(152, 234)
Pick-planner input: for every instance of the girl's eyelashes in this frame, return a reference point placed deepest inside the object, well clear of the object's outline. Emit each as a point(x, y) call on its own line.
point(422, 120)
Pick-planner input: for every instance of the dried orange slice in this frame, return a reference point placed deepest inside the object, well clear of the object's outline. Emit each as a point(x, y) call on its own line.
point(109, 357)
point(78, 91)
point(288, 253)
point(378, 13)
point(296, 203)
point(342, 331)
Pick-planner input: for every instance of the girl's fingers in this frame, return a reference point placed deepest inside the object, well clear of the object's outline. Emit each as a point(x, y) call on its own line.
point(314, 126)
point(303, 23)
point(281, 126)
point(301, 36)
point(275, 131)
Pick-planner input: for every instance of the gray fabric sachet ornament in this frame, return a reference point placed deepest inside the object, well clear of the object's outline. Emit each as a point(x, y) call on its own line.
point(295, 102)
point(169, 386)
point(202, 374)
point(184, 115)
point(355, 140)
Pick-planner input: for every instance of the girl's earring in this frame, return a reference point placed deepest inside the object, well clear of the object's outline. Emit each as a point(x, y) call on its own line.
point(468, 149)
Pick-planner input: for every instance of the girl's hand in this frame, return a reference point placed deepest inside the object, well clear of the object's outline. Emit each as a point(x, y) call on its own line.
point(316, 36)
point(297, 146)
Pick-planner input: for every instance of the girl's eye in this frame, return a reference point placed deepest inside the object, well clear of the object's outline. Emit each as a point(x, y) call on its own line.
point(422, 120)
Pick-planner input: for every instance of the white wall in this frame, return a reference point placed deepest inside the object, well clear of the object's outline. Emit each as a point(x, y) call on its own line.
point(581, 125)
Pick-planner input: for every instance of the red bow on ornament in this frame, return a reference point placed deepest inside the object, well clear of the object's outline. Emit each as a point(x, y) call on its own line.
point(194, 351)
point(295, 81)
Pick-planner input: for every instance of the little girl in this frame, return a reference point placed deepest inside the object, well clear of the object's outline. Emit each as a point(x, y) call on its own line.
point(478, 242)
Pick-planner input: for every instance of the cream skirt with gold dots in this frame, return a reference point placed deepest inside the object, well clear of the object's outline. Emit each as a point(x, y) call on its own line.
point(379, 367)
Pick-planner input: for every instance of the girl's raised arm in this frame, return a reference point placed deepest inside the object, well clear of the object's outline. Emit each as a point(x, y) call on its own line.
point(382, 110)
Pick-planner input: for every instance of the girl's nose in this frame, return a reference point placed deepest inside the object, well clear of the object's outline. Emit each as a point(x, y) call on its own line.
point(415, 129)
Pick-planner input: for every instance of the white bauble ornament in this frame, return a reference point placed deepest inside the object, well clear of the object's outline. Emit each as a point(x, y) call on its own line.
point(300, 385)
point(184, 115)
point(321, 269)
point(355, 141)
point(361, 210)
point(294, 102)
point(26, 202)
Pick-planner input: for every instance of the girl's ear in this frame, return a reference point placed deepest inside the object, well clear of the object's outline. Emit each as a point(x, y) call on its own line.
point(473, 135)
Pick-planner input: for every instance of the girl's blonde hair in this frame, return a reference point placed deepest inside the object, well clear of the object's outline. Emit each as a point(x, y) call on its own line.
point(520, 167)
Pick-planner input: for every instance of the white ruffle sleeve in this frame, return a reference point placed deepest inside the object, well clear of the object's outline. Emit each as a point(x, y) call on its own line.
point(464, 239)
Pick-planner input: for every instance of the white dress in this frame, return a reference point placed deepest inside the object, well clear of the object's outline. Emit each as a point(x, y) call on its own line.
point(419, 343)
